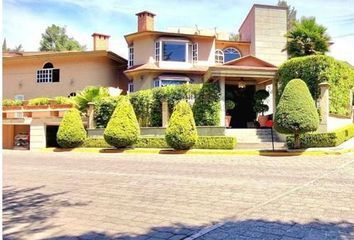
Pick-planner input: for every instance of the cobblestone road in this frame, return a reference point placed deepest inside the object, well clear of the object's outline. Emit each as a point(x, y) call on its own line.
point(125, 196)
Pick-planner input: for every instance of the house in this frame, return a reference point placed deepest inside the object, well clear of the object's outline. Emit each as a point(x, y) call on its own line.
point(28, 75)
point(192, 55)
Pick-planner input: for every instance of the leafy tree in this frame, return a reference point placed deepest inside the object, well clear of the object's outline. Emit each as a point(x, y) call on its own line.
point(290, 11)
point(234, 37)
point(56, 39)
point(181, 132)
point(307, 38)
point(122, 129)
point(296, 112)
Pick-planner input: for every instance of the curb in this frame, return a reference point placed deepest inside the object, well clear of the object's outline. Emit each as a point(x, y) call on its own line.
point(239, 152)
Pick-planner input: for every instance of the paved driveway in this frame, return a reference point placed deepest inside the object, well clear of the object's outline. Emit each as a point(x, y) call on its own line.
point(103, 196)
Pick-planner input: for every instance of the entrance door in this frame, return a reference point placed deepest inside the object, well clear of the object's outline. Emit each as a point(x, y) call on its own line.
point(243, 111)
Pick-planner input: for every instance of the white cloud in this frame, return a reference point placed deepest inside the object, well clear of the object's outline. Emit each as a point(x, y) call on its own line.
point(343, 49)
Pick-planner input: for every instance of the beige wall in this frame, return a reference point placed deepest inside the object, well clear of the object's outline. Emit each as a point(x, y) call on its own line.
point(76, 72)
point(144, 48)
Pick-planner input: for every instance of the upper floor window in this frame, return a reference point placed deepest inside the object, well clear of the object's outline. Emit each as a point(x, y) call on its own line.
point(195, 52)
point(131, 56)
point(231, 54)
point(48, 74)
point(174, 51)
point(219, 56)
point(157, 51)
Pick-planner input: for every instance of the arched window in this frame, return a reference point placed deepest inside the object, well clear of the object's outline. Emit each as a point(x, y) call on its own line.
point(219, 56)
point(72, 94)
point(231, 54)
point(48, 65)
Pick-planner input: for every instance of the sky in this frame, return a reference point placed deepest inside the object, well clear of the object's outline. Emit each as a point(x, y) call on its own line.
point(25, 20)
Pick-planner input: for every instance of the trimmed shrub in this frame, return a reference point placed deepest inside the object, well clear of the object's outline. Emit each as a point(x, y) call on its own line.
point(330, 139)
point(296, 112)
point(203, 142)
point(315, 70)
point(207, 107)
point(71, 132)
point(181, 132)
point(104, 108)
point(11, 102)
point(123, 128)
point(38, 101)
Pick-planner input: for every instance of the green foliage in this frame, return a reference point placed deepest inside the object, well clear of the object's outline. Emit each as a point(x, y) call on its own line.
point(39, 101)
point(63, 100)
point(142, 102)
point(296, 111)
point(203, 142)
point(181, 132)
point(11, 102)
point(315, 70)
point(122, 129)
point(307, 38)
point(104, 108)
point(71, 132)
point(330, 139)
point(229, 105)
point(89, 94)
point(291, 13)
point(56, 39)
point(207, 107)
point(259, 97)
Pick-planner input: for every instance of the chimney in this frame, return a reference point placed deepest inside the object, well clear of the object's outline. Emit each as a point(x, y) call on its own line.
point(100, 41)
point(145, 21)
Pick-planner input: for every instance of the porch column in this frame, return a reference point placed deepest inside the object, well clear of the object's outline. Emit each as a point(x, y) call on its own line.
point(222, 101)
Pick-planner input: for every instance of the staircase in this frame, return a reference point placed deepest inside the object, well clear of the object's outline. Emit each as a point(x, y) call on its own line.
point(252, 135)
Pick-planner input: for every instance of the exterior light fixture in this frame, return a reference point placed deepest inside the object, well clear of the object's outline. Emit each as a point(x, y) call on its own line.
point(241, 85)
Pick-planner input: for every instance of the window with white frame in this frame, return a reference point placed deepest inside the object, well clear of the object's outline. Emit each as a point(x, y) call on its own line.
point(157, 51)
point(130, 87)
point(231, 54)
point(166, 80)
point(48, 74)
point(131, 56)
point(219, 56)
point(195, 52)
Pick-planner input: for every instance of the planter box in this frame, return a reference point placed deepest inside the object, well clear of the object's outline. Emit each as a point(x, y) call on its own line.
point(39, 114)
point(6, 108)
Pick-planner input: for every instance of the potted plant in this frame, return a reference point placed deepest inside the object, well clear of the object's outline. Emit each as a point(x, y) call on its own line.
point(9, 104)
point(260, 107)
point(229, 105)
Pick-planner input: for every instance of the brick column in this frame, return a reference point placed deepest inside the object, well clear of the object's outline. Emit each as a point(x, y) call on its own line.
point(324, 106)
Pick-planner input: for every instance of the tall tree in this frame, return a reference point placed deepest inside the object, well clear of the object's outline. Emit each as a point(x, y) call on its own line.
point(17, 48)
point(307, 38)
point(234, 37)
point(291, 13)
point(4, 46)
point(56, 39)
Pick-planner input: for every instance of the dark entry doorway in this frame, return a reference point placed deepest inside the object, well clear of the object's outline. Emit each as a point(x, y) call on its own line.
point(243, 111)
point(51, 134)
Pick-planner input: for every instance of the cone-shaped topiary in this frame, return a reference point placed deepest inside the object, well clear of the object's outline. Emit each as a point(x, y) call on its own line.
point(181, 132)
point(296, 112)
point(71, 132)
point(122, 129)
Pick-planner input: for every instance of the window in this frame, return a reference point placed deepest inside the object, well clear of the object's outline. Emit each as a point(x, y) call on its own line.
point(219, 56)
point(131, 57)
point(48, 74)
point(164, 80)
point(130, 87)
point(157, 51)
point(72, 94)
point(231, 54)
point(195, 52)
point(174, 51)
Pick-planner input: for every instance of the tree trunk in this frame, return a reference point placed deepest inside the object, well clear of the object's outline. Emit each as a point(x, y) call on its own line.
point(296, 141)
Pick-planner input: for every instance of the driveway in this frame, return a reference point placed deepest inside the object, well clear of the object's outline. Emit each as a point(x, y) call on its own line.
point(127, 196)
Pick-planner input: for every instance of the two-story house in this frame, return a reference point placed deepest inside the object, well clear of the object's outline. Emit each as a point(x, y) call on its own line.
point(185, 55)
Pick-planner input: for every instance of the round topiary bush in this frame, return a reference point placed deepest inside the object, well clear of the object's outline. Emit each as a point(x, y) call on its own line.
point(122, 129)
point(181, 133)
point(296, 112)
point(71, 132)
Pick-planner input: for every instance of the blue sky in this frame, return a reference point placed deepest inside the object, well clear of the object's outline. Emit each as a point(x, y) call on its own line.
point(25, 20)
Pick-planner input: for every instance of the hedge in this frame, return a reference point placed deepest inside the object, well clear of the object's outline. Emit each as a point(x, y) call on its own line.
point(203, 142)
point(315, 70)
point(104, 108)
point(330, 139)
